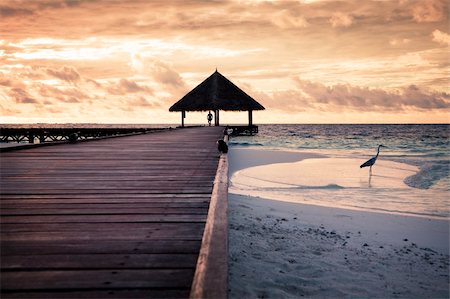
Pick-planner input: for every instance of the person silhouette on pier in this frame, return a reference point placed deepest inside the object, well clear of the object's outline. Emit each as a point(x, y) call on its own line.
point(209, 117)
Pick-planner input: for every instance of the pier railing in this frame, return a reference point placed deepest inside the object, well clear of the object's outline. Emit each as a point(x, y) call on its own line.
point(243, 130)
point(44, 135)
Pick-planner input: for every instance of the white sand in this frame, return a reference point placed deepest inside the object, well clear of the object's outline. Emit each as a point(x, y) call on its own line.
point(288, 250)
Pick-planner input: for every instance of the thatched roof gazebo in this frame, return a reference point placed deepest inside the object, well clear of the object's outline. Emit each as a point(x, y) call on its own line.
point(214, 94)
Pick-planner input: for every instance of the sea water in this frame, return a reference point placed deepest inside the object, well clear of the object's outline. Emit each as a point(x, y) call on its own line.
point(411, 175)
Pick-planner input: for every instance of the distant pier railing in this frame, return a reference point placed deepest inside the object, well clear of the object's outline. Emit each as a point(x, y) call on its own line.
point(243, 130)
point(45, 135)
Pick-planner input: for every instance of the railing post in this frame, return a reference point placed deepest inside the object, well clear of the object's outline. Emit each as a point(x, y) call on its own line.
point(30, 137)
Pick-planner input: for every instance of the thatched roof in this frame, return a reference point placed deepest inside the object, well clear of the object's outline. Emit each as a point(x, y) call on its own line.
point(216, 93)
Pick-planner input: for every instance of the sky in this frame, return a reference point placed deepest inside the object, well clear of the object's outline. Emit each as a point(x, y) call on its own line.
point(308, 61)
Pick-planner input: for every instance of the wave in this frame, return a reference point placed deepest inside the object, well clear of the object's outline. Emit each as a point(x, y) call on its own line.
point(292, 187)
point(435, 214)
point(362, 134)
point(325, 187)
point(428, 175)
point(308, 136)
point(237, 143)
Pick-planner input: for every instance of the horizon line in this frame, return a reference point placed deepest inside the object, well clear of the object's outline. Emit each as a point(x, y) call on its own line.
point(223, 125)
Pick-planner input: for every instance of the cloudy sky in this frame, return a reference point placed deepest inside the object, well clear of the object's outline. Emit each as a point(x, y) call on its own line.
point(307, 61)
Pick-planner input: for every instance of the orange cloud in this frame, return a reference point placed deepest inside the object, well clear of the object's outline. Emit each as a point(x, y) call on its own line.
point(65, 73)
point(429, 11)
point(374, 99)
point(125, 86)
point(22, 96)
point(164, 74)
point(340, 19)
point(285, 19)
point(441, 37)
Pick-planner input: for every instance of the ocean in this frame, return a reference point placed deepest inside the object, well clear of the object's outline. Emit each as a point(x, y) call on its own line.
point(424, 190)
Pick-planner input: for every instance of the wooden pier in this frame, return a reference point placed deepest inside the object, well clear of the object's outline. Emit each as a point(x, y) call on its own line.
point(111, 218)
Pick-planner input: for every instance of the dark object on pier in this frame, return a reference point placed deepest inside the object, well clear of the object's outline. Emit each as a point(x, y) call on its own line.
point(222, 146)
point(217, 93)
point(73, 138)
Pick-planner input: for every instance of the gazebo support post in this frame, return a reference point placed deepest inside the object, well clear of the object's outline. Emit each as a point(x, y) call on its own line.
point(183, 115)
point(250, 118)
point(216, 117)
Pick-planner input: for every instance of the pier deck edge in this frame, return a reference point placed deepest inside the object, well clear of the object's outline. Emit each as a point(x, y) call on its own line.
point(211, 274)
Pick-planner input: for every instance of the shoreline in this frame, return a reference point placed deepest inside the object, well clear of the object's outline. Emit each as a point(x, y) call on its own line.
point(322, 179)
point(284, 249)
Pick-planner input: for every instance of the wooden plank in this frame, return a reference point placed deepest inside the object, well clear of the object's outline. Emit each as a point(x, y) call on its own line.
point(168, 195)
point(77, 246)
point(93, 185)
point(99, 200)
point(132, 227)
point(99, 218)
point(80, 210)
point(57, 180)
point(98, 261)
point(160, 190)
point(97, 294)
point(167, 192)
point(102, 231)
point(96, 279)
point(153, 206)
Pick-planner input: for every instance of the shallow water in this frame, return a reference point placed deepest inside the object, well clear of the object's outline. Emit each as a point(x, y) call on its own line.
point(425, 146)
point(339, 182)
point(411, 176)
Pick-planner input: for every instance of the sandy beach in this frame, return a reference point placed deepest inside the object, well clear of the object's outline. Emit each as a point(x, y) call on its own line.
point(280, 249)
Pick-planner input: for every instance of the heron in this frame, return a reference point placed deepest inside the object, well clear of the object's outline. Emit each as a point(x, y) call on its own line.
point(372, 160)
